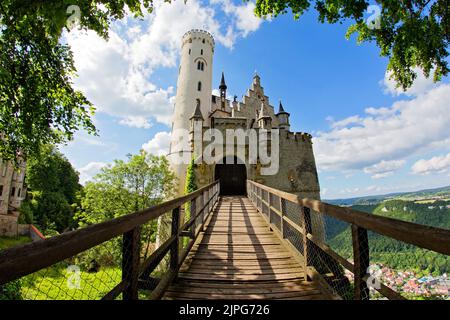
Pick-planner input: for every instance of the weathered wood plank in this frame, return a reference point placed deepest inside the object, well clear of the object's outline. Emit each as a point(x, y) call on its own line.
point(238, 253)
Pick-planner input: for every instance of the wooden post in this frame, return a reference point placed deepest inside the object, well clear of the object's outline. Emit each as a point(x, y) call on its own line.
point(307, 248)
point(130, 263)
point(282, 216)
point(269, 208)
point(202, 204)
point(174, 251)
point(361, 259)
point(193, 214)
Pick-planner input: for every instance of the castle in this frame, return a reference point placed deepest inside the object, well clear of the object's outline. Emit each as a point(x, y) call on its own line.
point(197, 107)
point(12, 193)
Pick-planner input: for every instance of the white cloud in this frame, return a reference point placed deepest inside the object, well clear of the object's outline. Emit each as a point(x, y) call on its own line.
point(421, 85)
point(90, 170)
point(406, 128)
point(384, 168)
point(438, 164)
point(159, 145)
point(136, 122)
point(345, 122)
point(118, 75)
point(245, 19)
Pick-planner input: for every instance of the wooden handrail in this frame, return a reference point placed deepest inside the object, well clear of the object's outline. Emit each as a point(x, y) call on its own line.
point(431, 238)
point(23, 260)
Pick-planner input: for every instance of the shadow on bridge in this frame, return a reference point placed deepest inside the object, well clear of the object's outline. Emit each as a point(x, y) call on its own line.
point(238, 257)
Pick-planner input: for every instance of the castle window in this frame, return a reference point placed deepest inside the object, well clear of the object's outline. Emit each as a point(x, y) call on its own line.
point(203, 40)
point(201, 52)
point(199, 86)
point(1, 191)
point(13, 191)
point(189, 51)
point(200, 65)
point(18, 192)
point(214, 99)
point(4, 169)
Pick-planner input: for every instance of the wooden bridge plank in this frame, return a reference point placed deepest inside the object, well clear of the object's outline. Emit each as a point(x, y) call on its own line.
point(238, 257)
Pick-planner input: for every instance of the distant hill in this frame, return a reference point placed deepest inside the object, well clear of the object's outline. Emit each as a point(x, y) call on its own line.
point(443, 192)
point(396, 254)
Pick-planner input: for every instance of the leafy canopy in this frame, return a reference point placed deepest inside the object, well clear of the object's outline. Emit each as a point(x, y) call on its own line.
point(54, 187)
point(38, 103)
point(190, 185)
point(411, 33)
point(127, 186)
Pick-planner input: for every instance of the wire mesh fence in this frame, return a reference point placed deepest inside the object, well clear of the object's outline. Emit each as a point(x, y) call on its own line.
point(353, 262)
point(89, 275)
point(132, 257)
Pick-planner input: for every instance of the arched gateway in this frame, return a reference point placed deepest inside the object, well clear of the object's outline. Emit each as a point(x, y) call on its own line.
point(232, 176)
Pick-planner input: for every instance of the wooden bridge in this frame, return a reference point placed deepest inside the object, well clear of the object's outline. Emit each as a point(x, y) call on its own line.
point(266, 245)
point(238, 257)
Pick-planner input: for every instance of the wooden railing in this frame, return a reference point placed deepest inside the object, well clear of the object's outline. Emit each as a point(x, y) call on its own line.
point(314, 244)
point(27, 259)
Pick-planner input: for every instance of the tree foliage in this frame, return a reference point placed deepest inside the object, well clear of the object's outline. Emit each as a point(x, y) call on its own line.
point(396, 254)
point(411, 33)
point(123, 188)
point(54, 187)
point(127, 186)
point(38, 103)
point(190, 185)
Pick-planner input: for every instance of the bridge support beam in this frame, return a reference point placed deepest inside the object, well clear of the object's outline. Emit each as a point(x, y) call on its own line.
point(130, 263)
point(361, 259)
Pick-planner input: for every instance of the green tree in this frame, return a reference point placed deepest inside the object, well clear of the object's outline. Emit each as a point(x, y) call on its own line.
point(190, 185)
point(11, 290)
point(38, 103)
point(126, 187)
point(53, 185)
point(412, 33)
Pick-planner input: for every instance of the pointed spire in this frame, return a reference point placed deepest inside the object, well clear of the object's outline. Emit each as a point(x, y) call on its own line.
point(222, 83)
point(197, 113)
point(262, 113)
point(281, 108)
point(256, 79)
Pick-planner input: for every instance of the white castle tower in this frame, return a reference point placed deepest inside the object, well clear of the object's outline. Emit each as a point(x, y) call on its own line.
point(194, 89)
point(196, 105)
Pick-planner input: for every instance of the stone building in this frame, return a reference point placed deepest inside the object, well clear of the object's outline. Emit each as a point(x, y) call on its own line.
point(197, 109)
point(12, 193)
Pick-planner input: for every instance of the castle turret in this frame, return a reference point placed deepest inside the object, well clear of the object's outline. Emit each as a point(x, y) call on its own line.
point(196, 117)
point(223, 92)
point(194, 88)
point(283, 118)
point(264, 120)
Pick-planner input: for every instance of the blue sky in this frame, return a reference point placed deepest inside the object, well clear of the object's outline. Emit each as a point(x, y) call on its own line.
point(368, 137)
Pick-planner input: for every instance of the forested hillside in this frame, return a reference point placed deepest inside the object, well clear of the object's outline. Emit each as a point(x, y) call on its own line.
point(392, 253)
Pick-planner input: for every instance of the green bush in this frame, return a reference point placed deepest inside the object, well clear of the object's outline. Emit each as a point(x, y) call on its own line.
point(11, 291)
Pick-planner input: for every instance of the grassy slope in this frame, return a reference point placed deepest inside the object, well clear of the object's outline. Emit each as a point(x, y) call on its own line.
point(7, 242)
